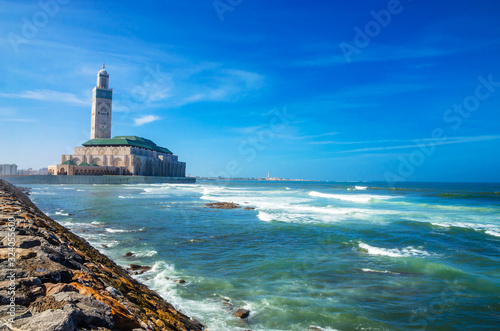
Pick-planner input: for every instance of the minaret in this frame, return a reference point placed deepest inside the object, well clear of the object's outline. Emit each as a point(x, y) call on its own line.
point(102, 98)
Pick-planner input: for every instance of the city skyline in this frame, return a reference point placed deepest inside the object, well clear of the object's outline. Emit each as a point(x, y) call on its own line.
point(374, 90)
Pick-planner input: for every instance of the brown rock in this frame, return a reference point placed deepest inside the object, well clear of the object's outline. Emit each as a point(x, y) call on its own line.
point(51, 288)
point(242, 313)
point(20, 253)
point(129, 254)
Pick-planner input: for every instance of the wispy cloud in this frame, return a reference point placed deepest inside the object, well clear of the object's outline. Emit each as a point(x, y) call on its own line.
point(9, 114)
point(47, 95)
point(17, 120)
point(145, 119)
point(426, 141)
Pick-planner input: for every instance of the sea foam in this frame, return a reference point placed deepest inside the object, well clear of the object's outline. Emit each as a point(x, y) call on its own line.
point(359, 198)
point(393, 252)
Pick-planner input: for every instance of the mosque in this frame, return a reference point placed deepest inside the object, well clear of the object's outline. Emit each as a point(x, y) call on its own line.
point(120, 155)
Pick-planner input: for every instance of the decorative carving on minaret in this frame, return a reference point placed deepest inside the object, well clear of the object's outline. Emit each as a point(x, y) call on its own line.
point(102, 99)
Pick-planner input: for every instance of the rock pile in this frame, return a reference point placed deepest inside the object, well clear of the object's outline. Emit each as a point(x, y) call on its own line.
point(51, 279)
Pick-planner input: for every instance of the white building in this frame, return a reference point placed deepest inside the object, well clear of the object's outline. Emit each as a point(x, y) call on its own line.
point(120, 155)
point(8, 169)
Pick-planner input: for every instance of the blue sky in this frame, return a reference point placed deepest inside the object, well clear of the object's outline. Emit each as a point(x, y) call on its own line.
point(243, 88)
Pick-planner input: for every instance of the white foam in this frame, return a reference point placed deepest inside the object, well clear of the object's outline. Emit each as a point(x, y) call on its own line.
point(380, 271)
point(61, 213)
point(145, 254)
point(359, 198)
point(493, 233)
point(490, 229)
point(393, 252)
point(361, 188)
point(110, 230)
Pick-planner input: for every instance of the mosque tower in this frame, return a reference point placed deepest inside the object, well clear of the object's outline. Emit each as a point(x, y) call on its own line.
point(102, 98)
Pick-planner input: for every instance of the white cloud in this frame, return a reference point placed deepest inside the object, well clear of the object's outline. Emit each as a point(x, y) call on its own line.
point(426, 141)
point(47, 95)
point(145, 119)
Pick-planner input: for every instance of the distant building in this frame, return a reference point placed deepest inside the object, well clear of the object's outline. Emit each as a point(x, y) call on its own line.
point(121, 155)
point(8, 169)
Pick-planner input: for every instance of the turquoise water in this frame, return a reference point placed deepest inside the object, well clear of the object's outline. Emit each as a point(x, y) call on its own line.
point(336, 256)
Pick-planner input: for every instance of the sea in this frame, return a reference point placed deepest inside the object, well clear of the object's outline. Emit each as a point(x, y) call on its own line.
point(304, 255)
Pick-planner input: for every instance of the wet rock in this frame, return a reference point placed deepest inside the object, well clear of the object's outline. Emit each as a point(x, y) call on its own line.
point(223, 205)
point(249, 208)
point(180, 281)
point(135, 267)
point(129, 254)
point(242, 313)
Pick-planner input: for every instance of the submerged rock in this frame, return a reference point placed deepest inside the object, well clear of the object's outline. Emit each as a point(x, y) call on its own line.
point(242, 313)
point(223, 205)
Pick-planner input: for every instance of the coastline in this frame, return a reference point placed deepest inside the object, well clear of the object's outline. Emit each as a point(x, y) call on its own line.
point(63, 179)
point(52, 279)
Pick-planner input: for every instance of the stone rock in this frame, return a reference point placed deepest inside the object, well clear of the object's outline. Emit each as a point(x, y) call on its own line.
point(23, 254)
point(139, 269)
point(61, 287)
point(91, 311)
point(53, 320)
point(223, 205)
point(25, 241)
point(249, 208)
point(242, 313)
point(129, 254)
point(45, 303)
point(180, 281)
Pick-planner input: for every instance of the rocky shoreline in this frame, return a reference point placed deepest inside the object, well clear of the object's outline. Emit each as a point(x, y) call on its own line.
point(51, 279)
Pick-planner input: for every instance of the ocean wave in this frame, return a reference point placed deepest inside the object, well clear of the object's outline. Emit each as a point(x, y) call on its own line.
point(489, 229)
point(145, 254)
point(61, 213)
point(310, 214)
point(360, 188)
point(493, 233)
point(110, 230)
point(392, 252)
point(359, 198)
point(380, 271)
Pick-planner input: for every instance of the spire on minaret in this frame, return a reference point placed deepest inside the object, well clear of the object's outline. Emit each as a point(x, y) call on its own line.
point(102, 99)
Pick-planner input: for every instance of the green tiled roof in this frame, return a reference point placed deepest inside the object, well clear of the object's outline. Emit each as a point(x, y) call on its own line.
point(127, 141)
point(85, 164)
point(69, 162)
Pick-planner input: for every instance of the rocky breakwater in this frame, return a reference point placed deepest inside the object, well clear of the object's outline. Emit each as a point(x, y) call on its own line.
point(51, 279)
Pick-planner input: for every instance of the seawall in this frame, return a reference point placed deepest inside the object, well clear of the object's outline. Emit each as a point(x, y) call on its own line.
point(59, 179)
point(51, 279)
